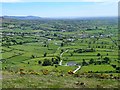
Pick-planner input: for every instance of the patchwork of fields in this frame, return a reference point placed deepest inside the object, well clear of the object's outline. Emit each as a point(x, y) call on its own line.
point(33, 49)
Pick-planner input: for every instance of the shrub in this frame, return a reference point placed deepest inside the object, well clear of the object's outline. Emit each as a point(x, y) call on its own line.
point(114, 66)
point(22, 73)
point(106, 59)
point(45, 54)
point(118, 68)
point(98, 54)
point(91, 61)
point(39, 62)
point(84, 63)
point(21, 69)
point(45, 72)
point(32, 56)
point(35, 73)
point(56, 66)
point(30, 70)
point(76, 75)
point(46, 62)
point(56, 61)
point(28, 63)
point(70, 72)
point(89, 71)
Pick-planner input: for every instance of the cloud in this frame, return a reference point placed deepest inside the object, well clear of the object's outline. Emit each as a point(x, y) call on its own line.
point(12, 1)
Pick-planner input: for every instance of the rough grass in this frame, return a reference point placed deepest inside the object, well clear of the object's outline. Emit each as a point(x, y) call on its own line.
point(51, 81)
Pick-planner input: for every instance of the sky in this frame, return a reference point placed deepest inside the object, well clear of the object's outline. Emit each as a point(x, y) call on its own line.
point(59, 8)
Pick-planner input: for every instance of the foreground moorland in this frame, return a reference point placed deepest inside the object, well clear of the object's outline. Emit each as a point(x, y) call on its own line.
point(60, 53)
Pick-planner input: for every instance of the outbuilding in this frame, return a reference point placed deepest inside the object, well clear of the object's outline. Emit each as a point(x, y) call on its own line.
point(72, 63)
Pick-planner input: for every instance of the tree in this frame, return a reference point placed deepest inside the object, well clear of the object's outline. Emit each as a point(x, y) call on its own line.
point(20, 43)
point(91, 61)
point(84, 63)
point(98, 46)
point(98, 54)
point(39, 62)
point(62, 44)
point(56, 66)
point(14, 41)
point(106, 59)
point(58, 57)
point(118, 69)
point(46, 62)
point(71, 54)
point(52, 59)
point(107, 54)
point(114, 66)
point(56, 61)
point(62, 51)
point(45, 54)
point(32, 56)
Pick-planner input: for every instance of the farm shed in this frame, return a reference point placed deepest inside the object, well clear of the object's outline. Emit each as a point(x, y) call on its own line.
point(72, 63)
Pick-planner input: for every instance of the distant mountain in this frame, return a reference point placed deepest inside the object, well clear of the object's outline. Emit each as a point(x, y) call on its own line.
point(22, 17)
point(59, 18)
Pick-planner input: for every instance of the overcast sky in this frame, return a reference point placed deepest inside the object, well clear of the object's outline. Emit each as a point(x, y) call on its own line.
point(59, 8)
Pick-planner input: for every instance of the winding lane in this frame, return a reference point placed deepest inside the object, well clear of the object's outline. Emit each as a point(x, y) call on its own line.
point(61, 56)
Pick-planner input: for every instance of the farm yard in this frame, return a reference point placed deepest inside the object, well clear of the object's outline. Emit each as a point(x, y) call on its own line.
point(44, 53)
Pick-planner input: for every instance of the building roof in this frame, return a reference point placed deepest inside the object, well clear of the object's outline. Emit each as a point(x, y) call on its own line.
point(71, 63)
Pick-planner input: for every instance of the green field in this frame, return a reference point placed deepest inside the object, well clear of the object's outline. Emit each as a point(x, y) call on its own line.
point(31, 54)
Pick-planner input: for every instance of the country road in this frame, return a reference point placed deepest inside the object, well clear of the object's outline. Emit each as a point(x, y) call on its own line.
point(61, 56)
point(79, 67)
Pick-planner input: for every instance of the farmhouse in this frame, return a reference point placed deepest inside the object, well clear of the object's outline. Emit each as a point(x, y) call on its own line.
point(63, 30)
point(71, 40)
point(49, 39)
point(72, 63)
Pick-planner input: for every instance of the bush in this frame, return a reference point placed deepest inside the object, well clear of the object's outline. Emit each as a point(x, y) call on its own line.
point(56, 66)
point(21, 69)
point(114, 66)
point(89, 71)
point(22, 73)
point(84, 63)
point(45, 54)
point(118, 68)
point(56, 61)
point(45, 72)
point(76, 75)
point(32, 56)
point(98, 54)
point(70, 72)
point(106, 59)
point(91, 61)
point(47, 62)
point(39, 62)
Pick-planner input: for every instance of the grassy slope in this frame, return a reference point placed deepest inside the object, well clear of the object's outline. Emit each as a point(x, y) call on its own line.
point(51, 81)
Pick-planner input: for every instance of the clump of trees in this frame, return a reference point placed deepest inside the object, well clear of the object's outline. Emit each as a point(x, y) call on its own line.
point(84, 63)
point(50, 62)
point(84, 50)
point(91, 61)
point(47, 62)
